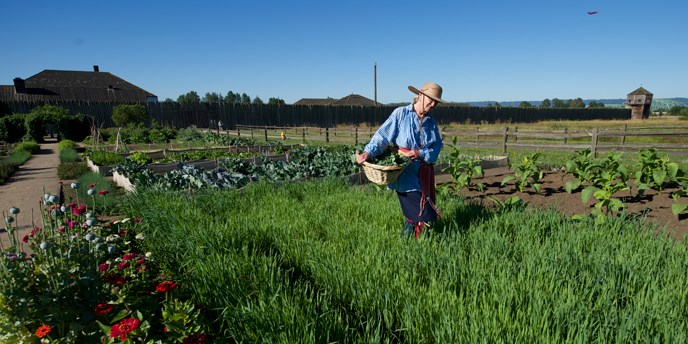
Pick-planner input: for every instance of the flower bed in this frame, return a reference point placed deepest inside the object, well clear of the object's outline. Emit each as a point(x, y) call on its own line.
point(89, 281)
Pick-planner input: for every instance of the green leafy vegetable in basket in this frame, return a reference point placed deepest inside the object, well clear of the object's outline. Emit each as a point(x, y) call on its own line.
point(390, 157)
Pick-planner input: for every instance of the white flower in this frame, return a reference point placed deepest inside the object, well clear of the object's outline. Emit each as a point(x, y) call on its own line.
point(75, 185)
point(140, 236)
point(149, 254)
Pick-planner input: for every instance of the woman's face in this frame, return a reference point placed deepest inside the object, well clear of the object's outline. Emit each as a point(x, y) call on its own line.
point(426, 104)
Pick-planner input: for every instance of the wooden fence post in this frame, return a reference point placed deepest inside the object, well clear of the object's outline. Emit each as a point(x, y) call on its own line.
point(623, 137)
point(516, 136)
point(566, 135)
point(593, 144)
point(477, 135)
point(356, 136)
point(504, 139)
point(327, 135)
point(238, 132)
point(266, 133)
point(303, 135)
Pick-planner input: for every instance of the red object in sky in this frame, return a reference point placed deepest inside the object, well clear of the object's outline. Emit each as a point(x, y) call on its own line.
point(593, 12)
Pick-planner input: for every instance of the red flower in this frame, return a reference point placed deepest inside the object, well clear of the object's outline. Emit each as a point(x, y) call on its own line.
point(165, 286)
point(103, 192)
point(115, 279)
point(25, 239)
point(91, 186)
point(137, 219)
point(129, 256)
point(123, 265)
point(141, 261)
point(124, 327)
point(102, 309)
point(71, 224)
point(104, 267)
point(195, 338)
point(43, 331)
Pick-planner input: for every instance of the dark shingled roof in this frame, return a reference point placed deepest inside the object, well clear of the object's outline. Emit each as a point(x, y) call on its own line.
point(60, 85)
point(350, 100)
point(640, 92)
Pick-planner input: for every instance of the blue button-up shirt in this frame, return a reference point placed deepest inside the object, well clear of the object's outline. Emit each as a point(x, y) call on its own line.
point(402, 129)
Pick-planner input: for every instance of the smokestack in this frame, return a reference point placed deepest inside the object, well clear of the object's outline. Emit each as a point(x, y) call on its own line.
point(19, 85)
point(95, 68)
point(375, 82)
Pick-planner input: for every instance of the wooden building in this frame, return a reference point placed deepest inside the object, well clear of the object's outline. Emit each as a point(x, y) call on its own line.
point(639, 101)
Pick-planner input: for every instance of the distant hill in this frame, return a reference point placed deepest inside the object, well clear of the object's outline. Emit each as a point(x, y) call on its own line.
point(657, 103)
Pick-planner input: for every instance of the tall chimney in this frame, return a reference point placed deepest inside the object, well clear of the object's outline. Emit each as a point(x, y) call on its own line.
point(19, 85)
point(95, 68)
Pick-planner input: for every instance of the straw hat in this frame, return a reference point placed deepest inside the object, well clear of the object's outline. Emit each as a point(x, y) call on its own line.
point(431, 90)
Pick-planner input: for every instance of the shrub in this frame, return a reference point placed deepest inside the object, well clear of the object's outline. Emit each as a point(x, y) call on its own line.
point(129, 114)
point(69, 155)
point(6, 171)
point(12, 128)
point(18, 157)
point(189, 134)
point(104, 158)
point(28, 146)
point(72, 169)
point(66, 144)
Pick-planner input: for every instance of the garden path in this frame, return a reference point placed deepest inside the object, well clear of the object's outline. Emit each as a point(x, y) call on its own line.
point(25, 189)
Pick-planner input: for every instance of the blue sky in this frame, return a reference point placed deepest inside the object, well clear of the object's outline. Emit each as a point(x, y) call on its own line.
point(477, 50)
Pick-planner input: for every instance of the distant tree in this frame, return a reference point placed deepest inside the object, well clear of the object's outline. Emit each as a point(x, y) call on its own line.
point(232, 97)
point(212, 97)
point(168, 100)
point(577, 103)
point(525, 104)
point(275, 101)
point(558, 103)
point(189, 98)
point(546, 103)
point(245, 99)
point(594, 104)
point(129, 114)
point(678, 110)
point(258, 101)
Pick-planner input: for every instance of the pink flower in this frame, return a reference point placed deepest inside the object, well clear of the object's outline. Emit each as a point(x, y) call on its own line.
point(79, 210)
point(103, 192)
point(71, 224)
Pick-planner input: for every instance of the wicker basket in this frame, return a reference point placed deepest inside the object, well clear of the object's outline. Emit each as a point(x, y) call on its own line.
point(380, 174)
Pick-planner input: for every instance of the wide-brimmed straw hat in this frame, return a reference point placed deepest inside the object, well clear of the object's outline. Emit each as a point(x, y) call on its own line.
point(431, 90)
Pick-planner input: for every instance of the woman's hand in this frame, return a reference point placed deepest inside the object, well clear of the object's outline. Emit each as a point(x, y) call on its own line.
point(410, 153)
point(360, 158)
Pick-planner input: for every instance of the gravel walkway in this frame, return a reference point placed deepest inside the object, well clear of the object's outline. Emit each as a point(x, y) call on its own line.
point(26, 187)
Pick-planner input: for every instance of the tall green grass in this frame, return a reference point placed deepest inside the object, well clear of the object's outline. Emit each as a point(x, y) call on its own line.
point(322, 262)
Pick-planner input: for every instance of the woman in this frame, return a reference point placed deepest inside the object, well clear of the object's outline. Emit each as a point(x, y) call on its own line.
point(415, 133)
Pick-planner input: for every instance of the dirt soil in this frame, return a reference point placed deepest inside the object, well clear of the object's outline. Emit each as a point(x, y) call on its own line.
point(655, 206)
